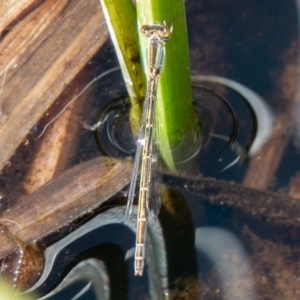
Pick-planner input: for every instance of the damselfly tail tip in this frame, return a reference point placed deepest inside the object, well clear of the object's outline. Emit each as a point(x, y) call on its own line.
point(139, 265)
point(138, 272)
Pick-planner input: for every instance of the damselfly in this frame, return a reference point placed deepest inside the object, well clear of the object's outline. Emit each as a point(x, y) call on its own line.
point(149, 205)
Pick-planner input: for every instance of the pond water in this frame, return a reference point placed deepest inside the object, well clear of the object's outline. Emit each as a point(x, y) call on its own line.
point(228, 228)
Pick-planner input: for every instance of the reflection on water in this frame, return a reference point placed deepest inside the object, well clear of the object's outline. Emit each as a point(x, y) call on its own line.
point(252, 43)
point(93, 272)
point(70, 246)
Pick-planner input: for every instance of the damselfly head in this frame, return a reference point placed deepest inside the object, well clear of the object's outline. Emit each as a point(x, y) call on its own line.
point(163, 31)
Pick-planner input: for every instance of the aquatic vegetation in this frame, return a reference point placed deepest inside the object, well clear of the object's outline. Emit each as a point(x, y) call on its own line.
point(235, 43)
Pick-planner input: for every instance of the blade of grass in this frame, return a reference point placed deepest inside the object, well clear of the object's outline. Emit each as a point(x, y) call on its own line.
point(120, 17)
point(175, 115)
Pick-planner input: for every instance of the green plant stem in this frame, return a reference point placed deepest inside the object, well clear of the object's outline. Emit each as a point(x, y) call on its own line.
point(174, 113)
point(120, 17)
